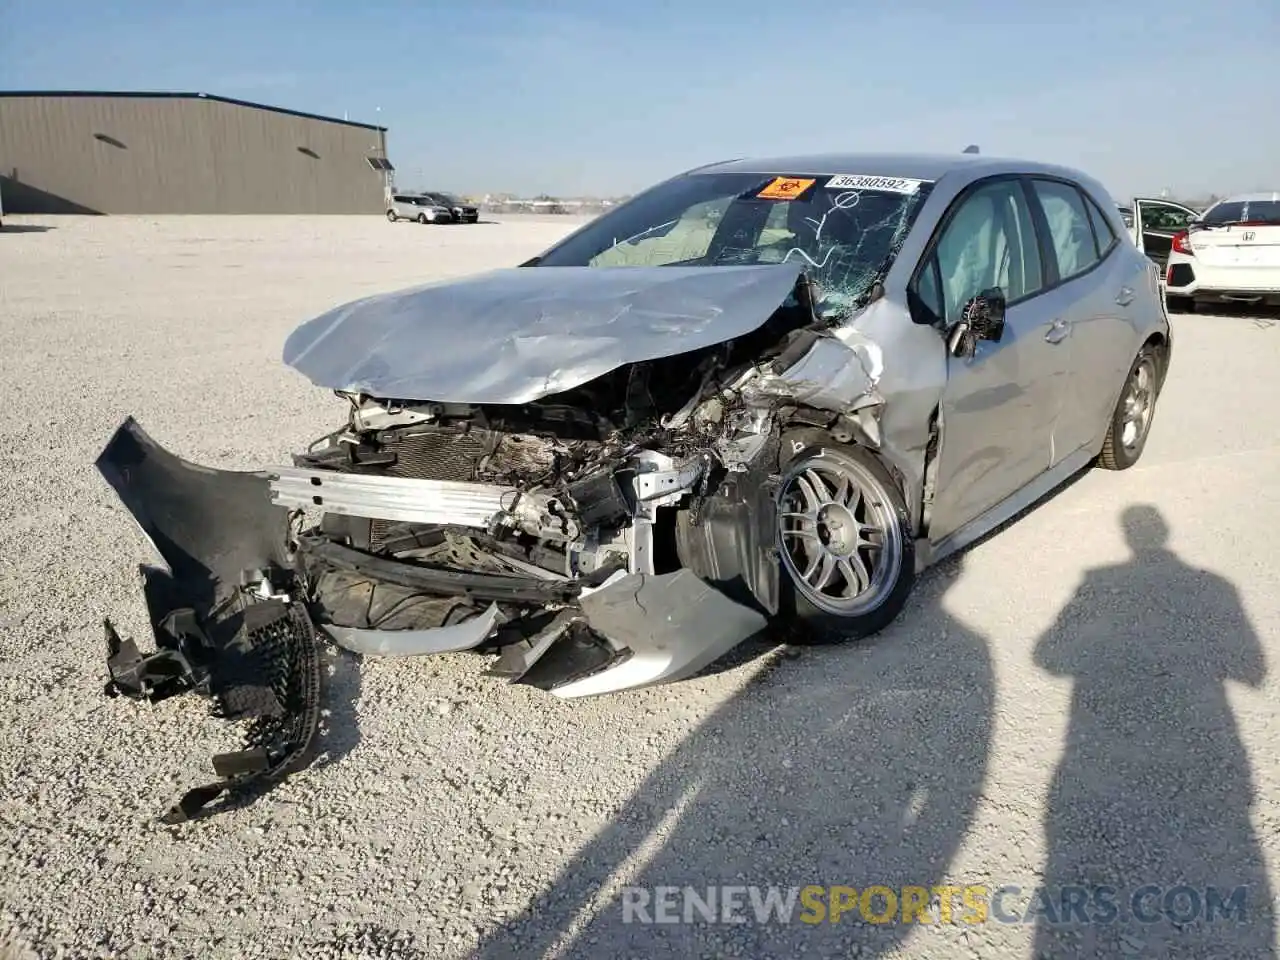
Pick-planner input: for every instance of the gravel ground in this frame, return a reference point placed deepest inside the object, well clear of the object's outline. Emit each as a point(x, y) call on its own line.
point(1053, 706)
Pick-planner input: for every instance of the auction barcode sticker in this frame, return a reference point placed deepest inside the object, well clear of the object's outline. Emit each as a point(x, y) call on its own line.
point(860, 181)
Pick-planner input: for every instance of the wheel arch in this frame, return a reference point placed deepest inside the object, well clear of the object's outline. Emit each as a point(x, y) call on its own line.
point(1159, 341)
point(900, 467)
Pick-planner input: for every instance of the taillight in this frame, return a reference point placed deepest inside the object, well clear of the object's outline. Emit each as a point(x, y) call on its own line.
point(1180, 244)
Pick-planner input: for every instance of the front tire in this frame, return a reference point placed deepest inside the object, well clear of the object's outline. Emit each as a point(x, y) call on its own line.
point(844, 542)
point(1131, 420)
point(391, 216)
point(422, 218)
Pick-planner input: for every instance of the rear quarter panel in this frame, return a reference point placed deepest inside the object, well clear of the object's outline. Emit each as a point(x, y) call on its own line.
point(1106, 335)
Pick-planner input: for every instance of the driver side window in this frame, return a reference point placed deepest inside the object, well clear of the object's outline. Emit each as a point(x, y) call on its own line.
point(989, 242)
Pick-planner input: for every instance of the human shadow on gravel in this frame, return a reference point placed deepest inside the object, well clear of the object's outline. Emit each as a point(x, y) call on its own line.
point(1154, 789)
point(856, 765)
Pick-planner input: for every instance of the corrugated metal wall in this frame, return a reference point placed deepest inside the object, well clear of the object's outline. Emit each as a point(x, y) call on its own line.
point(68, 154)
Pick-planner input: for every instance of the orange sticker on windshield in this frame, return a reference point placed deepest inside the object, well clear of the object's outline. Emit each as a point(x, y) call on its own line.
point(785, 188)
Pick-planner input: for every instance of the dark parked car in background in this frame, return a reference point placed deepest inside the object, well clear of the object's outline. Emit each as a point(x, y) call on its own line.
point(462, 212)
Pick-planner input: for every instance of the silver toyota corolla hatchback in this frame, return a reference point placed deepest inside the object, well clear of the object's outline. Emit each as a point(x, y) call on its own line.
point(763, 392)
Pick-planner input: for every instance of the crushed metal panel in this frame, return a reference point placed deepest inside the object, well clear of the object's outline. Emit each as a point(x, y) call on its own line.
point(516, 335)
point(674, 624)
point(833, 374)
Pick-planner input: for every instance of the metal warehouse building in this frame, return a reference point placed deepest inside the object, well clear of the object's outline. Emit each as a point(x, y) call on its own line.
point(86, 152)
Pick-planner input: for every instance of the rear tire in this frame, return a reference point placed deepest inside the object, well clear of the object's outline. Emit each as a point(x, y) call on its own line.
point(1131, 420)
point(1176, 304)
point(391, 216)
point(842, 528)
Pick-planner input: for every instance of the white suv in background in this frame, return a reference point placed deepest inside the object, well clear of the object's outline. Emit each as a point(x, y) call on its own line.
point(1229, 254)
point(409, 206)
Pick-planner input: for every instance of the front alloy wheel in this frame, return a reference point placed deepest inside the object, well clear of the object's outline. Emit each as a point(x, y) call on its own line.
point(843, 539)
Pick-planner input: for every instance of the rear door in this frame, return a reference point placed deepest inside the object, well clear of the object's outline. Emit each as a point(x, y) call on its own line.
point(1241, 237)
point(1157, 222)
point(1098, 283)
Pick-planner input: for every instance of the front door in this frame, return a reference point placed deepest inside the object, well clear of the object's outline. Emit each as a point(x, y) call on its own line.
point(999, 405)
point(1156, 222)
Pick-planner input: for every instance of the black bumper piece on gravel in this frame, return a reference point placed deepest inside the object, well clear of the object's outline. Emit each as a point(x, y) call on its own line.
point(253, 654)
point(258, 664)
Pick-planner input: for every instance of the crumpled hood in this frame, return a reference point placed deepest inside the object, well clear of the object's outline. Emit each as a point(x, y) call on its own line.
point(518, 334)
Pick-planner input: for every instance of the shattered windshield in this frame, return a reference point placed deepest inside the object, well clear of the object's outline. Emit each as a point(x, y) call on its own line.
point(844, 230)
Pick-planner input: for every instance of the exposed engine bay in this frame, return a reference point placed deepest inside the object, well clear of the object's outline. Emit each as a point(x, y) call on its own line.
point(615, 535)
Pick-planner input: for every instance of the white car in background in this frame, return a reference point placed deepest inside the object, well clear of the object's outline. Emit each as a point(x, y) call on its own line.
point(1229, 254)
point(423, 209)
point(1154, 223)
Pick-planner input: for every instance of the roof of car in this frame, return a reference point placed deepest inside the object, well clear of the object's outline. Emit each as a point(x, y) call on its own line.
point(916, 166)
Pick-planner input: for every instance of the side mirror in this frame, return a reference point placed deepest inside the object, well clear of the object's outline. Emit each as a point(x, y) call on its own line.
point(985, 314)
point(981, 319)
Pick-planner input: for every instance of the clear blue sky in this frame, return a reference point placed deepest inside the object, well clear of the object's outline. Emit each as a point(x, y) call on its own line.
point(568, 96)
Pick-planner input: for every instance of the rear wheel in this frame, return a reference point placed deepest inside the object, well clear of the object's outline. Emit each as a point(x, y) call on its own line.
point(1177, 304)
point(843, 537)
point(1131, 419)
point(391, 216)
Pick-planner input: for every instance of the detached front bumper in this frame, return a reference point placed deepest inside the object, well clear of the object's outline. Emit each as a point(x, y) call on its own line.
point(243, 595)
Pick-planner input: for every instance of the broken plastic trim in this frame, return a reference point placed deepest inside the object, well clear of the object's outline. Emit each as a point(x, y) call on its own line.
point(261, 665)
point(415, 643)
point(221, 630)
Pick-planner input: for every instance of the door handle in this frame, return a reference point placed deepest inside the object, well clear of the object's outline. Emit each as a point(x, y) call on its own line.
point(1058, 331)
point(1125, 296)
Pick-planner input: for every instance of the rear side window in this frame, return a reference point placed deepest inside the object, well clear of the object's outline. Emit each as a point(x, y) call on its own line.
point(1102, 230)
point(1069, 228)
